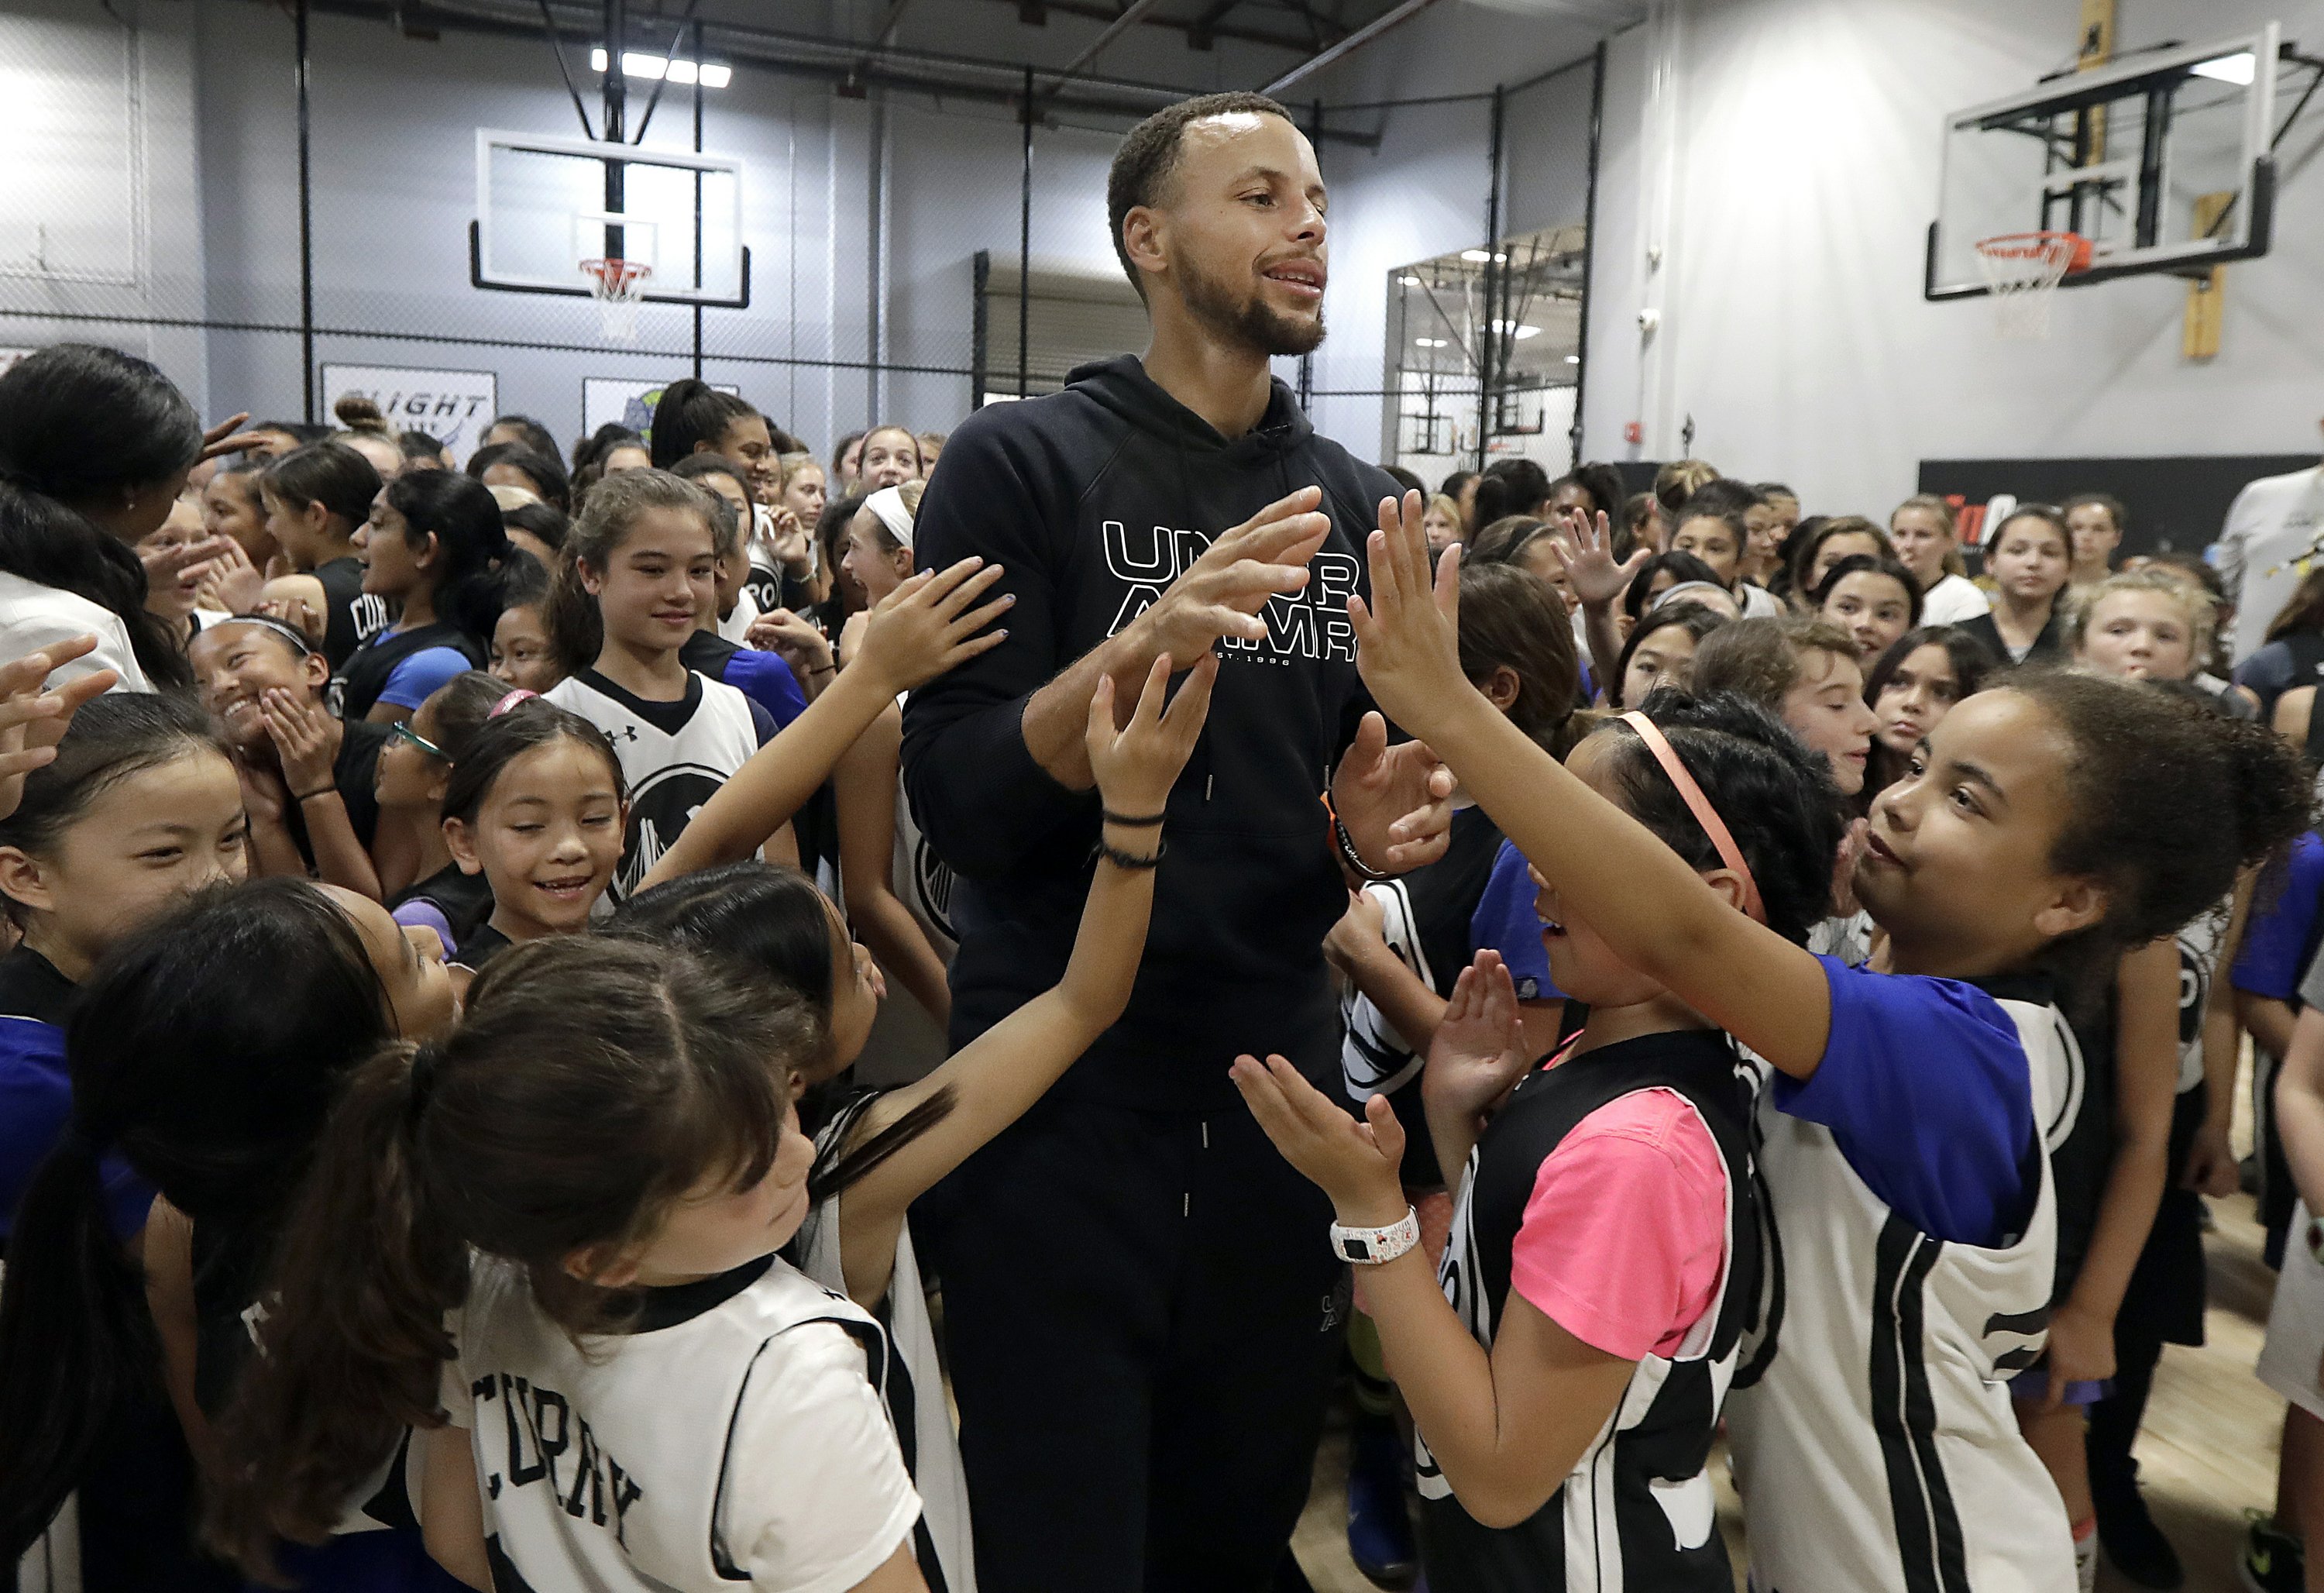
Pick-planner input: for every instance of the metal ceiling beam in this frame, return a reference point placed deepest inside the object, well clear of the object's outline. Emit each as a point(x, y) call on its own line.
point(1131, 15)
point(1394, 17)
point(1203, 28)
point(835, 62)
point(1095, 13)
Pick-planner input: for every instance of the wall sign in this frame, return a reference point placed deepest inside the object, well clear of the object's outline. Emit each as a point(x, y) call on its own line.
point(454, 407)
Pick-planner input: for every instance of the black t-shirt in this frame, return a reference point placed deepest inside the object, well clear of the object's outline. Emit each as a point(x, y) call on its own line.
point(465, 900)
point(482, 944)
point(2296, 660)
point(351, 616)
point(361, 679)
point(31, 988)
point(355, 773)
point(2049, 647)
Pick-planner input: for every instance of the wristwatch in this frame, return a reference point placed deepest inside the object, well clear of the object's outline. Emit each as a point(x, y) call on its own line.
point(1372, 1246)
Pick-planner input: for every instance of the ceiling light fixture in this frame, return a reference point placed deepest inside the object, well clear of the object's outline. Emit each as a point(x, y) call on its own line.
point(652, 68)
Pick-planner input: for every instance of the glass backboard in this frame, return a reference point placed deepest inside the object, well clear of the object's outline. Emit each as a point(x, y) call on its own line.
point(2160, 160)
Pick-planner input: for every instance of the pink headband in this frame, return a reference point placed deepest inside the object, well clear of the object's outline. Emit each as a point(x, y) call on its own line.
point(510, 702)
point(1700, 806)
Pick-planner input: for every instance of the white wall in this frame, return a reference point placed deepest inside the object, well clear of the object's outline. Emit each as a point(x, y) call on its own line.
point(1783, 155)
point(99, 200)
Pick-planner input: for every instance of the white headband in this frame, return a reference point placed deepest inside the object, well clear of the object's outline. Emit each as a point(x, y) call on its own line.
point(888, 504)
point(1677, 593)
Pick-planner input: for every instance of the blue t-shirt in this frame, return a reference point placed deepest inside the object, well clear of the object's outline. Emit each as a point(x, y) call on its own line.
point(35, 1104)
point(2280, 930)
point(1926, 1088)
point(415, 679)
point(1505, 922)
point(766, 680)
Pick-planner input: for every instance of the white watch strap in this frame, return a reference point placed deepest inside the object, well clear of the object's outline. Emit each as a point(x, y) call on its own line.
point(1372, 1246)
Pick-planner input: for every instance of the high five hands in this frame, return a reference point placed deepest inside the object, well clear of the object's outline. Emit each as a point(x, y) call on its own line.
point(1396, 801)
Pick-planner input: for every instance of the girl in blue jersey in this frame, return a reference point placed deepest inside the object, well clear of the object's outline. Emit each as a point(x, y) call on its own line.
point(2026, 845)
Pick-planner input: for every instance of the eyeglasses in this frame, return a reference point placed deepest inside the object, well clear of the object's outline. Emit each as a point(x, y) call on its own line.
point(401, 731)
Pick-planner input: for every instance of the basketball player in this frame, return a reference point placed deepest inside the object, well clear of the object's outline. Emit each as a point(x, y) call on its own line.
point(1143, 1321)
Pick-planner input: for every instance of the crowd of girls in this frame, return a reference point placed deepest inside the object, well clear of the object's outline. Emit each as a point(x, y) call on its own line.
point(476, 997)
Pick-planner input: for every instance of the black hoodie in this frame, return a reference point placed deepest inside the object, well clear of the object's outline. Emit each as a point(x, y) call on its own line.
point(1095, 499)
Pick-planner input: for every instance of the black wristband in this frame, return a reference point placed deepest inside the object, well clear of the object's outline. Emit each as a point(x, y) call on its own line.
point(308, 796)
point(822, 669)
point(1128, 822)
point(1121, 860)
point(1356, 865)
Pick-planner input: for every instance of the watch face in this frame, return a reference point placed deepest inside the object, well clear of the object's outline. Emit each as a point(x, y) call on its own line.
point(1356, 1249)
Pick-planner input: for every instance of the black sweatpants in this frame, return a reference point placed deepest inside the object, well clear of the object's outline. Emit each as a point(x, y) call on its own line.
point(1144, 1317)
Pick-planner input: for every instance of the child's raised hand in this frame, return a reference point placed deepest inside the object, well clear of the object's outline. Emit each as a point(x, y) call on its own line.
point(32, 718)
point(1136, 766)
point(1355, 1163)
point(926, 626)
point(1586, 552)
point(1478, 1053)
point(1407, 638)
point(233, 583)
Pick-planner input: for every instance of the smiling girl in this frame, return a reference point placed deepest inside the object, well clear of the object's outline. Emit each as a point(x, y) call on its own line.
point(316, 499)
point(1900, 1128)
point(638, 573)
point(535, 805)
point(566, 1217)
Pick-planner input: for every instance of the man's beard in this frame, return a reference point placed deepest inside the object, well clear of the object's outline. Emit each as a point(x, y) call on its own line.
point(1249, 322)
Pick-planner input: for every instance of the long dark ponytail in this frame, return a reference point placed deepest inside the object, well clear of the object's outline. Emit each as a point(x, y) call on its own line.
point(774, 923)
point(79, 422)
point(594, 1082)
point(205, 1051)
point(692, 412)
point(465, 519)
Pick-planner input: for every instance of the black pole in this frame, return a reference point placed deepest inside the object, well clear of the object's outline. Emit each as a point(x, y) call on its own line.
point(1589, 247)
point(1487, 387)
point(1025, 252)
point(306, 231)
point(617, 31)
point(697, 196)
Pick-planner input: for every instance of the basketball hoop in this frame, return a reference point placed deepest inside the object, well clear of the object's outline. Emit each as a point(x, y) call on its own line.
point(617, 286)
point(2023, 271)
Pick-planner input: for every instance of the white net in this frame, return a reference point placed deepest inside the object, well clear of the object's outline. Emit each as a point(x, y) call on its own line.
point(617, 286)
point(2023, 271)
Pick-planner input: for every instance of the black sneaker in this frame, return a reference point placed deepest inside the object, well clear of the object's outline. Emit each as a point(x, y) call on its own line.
point(2134, 1545)
point(2271, 1561)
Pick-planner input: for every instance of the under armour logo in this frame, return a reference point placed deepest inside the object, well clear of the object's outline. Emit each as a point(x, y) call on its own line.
point(627, 732)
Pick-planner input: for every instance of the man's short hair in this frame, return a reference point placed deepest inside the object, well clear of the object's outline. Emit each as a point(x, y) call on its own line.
point(1148, 158)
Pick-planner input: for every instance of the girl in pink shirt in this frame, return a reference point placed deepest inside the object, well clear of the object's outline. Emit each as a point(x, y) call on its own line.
point(1606, 1226)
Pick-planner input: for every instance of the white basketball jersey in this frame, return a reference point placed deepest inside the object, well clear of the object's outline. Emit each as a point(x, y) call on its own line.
point(922, 880)
point(1874, 1442)
point(2198, 962)
point(673, 756)
point(915, 1386)
point(607, 1470)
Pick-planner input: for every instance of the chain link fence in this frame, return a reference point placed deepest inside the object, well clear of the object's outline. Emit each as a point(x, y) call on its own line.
point(914, 254)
